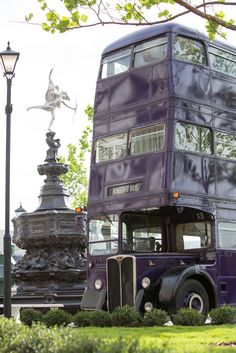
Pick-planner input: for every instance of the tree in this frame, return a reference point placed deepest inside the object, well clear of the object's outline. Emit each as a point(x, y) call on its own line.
point(76, 180)
point(77, 14)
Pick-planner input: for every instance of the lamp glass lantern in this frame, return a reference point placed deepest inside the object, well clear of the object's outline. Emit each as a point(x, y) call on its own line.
point(9, 59)
point(19, 210)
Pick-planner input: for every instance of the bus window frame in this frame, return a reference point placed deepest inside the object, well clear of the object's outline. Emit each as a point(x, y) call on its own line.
point(194, 250)
point(126, 246)
point(233, 159)
point(220, 247)
point(166, 34)
point(128, 154)
point(143, 127)
point(111, 54)
point(132, 56)
point(212, 145)
point(223, 50)
point(107, 136)
point(103, 241)
point(205, 46)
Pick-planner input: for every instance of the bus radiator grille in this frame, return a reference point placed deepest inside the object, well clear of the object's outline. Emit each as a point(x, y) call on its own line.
point(121, 280)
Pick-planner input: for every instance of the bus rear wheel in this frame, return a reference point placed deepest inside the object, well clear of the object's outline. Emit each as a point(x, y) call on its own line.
point(193, 295)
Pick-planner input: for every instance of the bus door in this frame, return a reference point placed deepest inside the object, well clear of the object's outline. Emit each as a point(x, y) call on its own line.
point(227, 262)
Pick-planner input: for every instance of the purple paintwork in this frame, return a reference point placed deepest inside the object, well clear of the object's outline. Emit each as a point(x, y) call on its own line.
point(167, 92)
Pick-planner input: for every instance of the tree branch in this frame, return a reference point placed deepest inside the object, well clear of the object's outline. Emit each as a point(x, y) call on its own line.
point(208, 17)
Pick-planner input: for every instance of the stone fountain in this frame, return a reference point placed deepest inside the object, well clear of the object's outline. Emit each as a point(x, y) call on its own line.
point(52, 271)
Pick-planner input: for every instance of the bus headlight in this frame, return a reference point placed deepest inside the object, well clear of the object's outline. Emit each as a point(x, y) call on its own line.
point(148, 307)
point(90, 265)
point(146, 282)
point(98, 284)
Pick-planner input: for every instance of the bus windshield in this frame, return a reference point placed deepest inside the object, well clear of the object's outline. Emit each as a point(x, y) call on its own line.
point(153, 232)
point(141, 233)
point(103, 235)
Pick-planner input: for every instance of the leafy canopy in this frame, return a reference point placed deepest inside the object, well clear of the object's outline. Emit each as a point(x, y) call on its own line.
point(76, 180)
point(75, 14)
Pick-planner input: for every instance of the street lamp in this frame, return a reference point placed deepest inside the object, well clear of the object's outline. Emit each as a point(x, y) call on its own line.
point(19, 210)
point(8, 59)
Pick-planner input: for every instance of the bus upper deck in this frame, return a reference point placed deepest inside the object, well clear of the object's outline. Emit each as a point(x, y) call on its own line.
point(160, 63)
point(164, 120)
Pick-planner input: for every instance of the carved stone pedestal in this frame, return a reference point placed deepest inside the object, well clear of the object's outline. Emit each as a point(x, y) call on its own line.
point(53, 267)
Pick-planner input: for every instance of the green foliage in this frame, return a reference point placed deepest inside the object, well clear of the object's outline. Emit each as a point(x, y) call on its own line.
point(100, 318)
point(73, 14)
point(17, 338)
point(223, 315)
point(156, 317)
point(188, 317)
point(57, 317)
point(97, 318)
point(125, 316)
point(8, 328)
point(76, 180)
point(82, 318)
point(82, 344)
point(29, 315)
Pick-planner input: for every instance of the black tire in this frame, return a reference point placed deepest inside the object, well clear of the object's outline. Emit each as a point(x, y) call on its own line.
point(192, 294)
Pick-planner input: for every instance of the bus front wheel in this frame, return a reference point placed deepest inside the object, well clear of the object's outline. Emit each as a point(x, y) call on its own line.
point(193, 295)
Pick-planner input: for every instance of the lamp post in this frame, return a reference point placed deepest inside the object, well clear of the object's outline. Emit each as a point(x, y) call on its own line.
point(8, 59)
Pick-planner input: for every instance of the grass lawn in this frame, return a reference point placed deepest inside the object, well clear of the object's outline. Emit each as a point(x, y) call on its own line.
point(177, 338)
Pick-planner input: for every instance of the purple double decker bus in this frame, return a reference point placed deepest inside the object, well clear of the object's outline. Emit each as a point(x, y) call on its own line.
point(162, 194)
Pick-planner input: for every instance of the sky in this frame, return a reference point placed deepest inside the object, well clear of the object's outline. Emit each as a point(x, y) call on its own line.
point(75, 56)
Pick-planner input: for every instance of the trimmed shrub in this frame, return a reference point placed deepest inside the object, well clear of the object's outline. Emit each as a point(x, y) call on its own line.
point(57, 317)
point(223, 315)
point(125, 316)
point(100, 318)
point(188, 317)
point(82, 318)
point(29, 315)
point(156, 317)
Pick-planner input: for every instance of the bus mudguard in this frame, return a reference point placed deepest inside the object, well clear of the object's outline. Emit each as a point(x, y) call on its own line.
point(93, 299)
point(174, 278)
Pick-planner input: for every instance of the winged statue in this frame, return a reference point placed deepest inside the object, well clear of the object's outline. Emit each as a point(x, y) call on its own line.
point(54, 97)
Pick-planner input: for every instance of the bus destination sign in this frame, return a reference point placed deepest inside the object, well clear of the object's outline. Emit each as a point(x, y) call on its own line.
point(124, 189)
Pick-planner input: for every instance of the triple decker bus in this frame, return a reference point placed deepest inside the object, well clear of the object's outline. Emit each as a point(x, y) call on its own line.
point(162, 194)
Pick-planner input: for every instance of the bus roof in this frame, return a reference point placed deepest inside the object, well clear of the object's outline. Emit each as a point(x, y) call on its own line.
point(153, 30)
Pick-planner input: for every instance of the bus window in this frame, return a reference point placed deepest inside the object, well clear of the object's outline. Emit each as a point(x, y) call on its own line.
point(147, 239)
point(193, 236)
point(111, 147)
point(141, 233)
point(148, 139)
point(191, 50)
point(103, 235)
point(227, 235)
point(116, 63)
point(193, 138)
point(225, 145)
point(222, 60)
point(150, 52)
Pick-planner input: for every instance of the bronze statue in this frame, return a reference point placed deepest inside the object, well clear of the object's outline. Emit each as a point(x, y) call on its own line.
point(53, 145)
